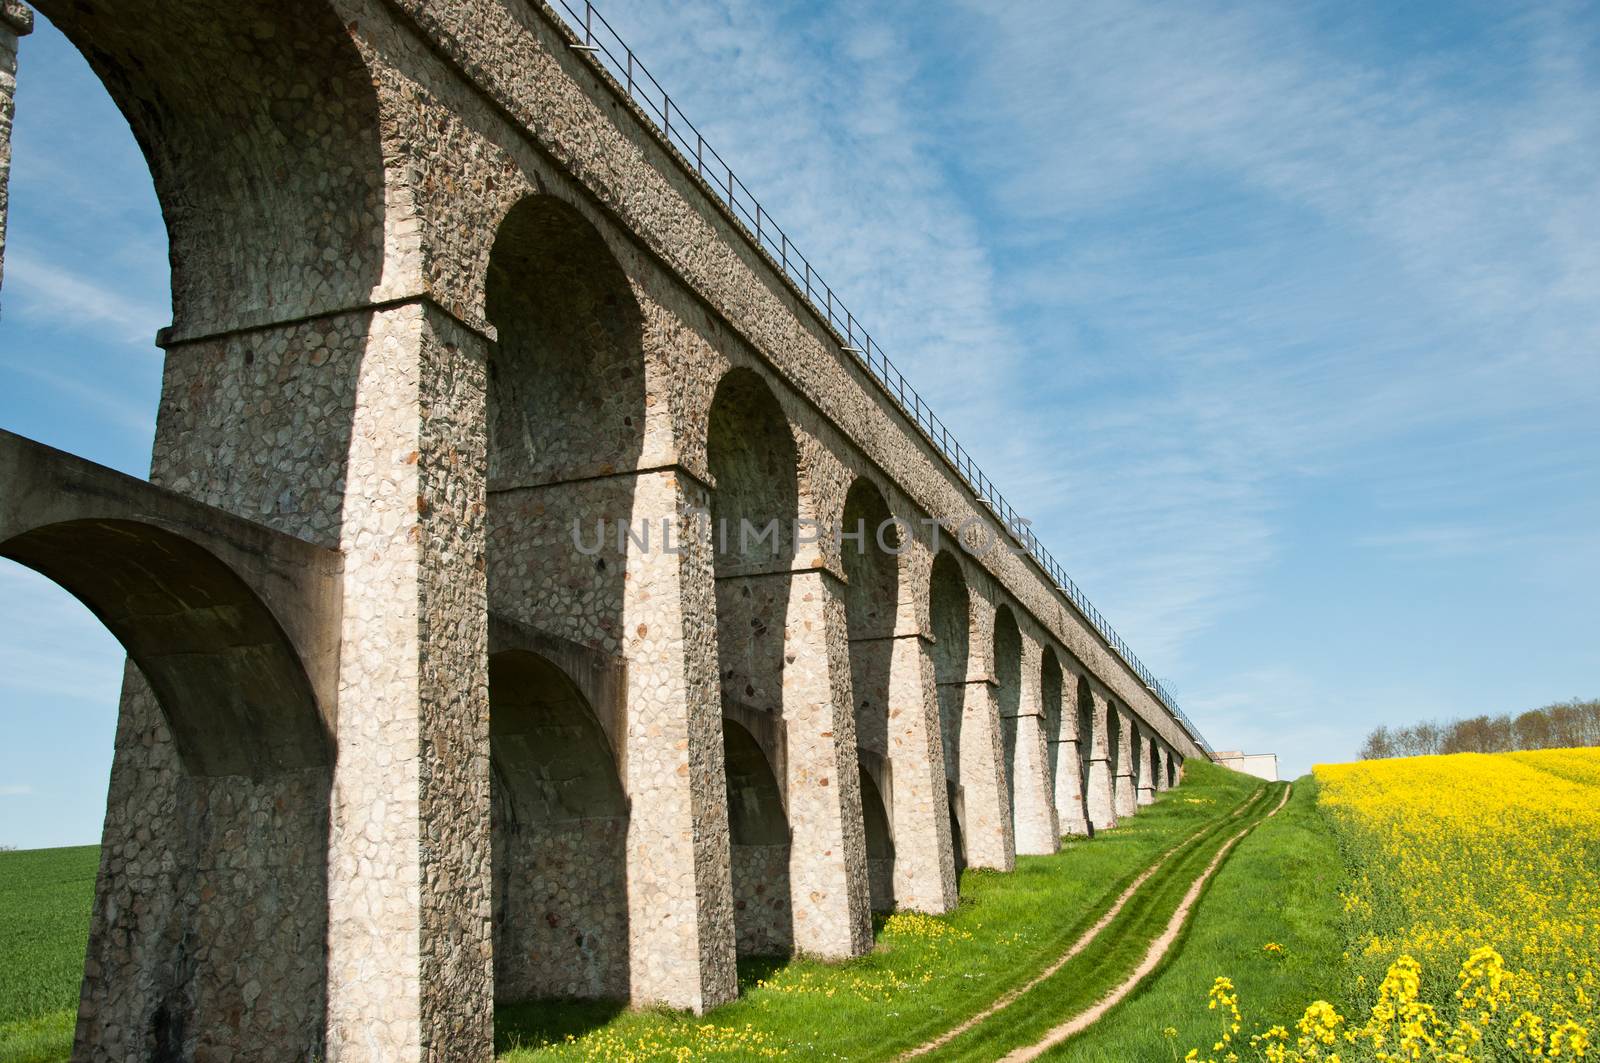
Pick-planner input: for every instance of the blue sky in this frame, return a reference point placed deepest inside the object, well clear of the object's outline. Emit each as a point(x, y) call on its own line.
point(1279, 321)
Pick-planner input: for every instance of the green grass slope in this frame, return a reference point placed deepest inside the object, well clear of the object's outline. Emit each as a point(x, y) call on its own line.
point(45, 898)
point(926, 974)
point(1280, 886)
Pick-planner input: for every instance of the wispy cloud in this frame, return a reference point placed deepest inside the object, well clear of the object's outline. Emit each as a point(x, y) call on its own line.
point(51, 296)
point(131, 413)
point(1281, 261)
point(15, 790)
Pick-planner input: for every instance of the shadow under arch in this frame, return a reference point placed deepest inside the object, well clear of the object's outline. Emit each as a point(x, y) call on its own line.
point(259, 122)
point(949, 607)
point(230, 684)
point(244, 746)
point(1085, 723)
point(754, 466)
point(878, 826)
point(871, 598)
point(1008, 695)
point(758, 832)
point(1050, 691)
point(560, 832)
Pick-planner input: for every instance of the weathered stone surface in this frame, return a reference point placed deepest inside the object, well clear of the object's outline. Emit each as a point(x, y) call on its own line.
point(1069, 742)
point(16, 21)
point(1100, 796)
point(449, 313)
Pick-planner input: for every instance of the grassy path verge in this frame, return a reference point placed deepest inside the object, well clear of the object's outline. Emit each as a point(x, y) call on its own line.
point(1106, 920)
point(927, 974)
point(1102, 970)
point(1280, 887)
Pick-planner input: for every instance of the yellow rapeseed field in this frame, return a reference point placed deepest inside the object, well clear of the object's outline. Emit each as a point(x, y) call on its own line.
point(1472, 915)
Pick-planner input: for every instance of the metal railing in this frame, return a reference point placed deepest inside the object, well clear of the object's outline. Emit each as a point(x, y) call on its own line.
point(605, 47)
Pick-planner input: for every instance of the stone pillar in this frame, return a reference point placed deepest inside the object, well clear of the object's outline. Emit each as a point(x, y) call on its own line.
point(988, 832)
point(924, 864)
point(1163, 769)
point(1101, 797)
point(1032, 807)
point(828, 852)
point(680, 899)
point(15, 21)
point(1146, 768)
point(1068, 785)
point(987, 829)
point(410, 890)
point(338, 912)
point(654, 607)
point(1122, 790)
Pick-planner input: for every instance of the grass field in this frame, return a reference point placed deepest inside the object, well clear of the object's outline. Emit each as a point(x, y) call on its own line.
point(1437, 908)
point(926, 975)
point(45, 896)
point(1279, 888)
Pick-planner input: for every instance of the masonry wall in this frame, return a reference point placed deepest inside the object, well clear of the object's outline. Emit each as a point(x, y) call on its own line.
point(521, 63)
point(485, 301)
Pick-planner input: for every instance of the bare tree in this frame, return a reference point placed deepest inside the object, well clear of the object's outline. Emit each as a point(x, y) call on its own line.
point(1378, 745)
point(1563, 724)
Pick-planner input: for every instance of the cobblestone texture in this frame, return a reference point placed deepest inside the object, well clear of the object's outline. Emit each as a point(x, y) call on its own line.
point(438, 293)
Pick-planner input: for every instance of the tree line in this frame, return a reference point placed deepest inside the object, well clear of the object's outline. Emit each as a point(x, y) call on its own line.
point(1559, 726)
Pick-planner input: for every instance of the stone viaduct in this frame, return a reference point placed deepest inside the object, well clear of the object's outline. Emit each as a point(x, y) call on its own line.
point(408, 727)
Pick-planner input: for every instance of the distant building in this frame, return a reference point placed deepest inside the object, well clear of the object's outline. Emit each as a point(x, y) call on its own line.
point(1261, 765)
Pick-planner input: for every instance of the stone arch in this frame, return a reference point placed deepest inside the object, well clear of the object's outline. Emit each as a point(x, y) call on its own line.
point(751, 453)
point(260, 125)
point(560, 834)
point(871, 602)
point(1144, 770)
point(1007, 663)
point(758, 834)
point(1085, 735)
point(754, 465)
point(567, 379)
point(753, 461)
point(1114, 744)
point(230, 683)
point(245, 744)
point(949, 608)
point(566, 416)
